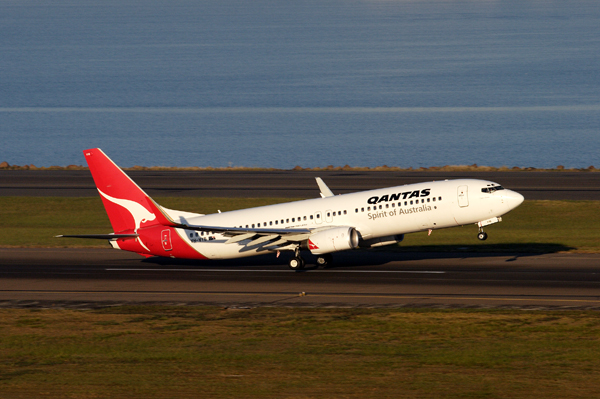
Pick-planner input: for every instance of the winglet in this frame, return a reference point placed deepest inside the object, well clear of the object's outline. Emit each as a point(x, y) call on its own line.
point(325, 191)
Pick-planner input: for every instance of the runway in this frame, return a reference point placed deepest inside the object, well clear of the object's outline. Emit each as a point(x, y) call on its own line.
point(96, 277)
point(105, 277)
point(290, 184)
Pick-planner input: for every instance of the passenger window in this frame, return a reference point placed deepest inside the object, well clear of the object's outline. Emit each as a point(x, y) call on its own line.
point(304, 217)
point(440, 198)
point(293, 220)
point(411, 202)
point(287, 220)
point(368, 208)
point(362, 209)
point(328, 214)
point(433, 199)
point(270, 223)
point(253, 225)
point(428, 199)
point(318, 216)
point(276, 222)
point(356, 210)
point(345, 213)
point(311, 217)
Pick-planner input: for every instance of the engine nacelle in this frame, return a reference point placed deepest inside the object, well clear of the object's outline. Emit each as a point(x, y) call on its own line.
point(333, 240)
point(382, 241)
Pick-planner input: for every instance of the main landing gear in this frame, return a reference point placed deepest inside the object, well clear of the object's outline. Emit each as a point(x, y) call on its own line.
point(297, 263)
point(324, 260)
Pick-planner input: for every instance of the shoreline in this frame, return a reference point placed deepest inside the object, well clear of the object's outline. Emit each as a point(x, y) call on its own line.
point(384, 168)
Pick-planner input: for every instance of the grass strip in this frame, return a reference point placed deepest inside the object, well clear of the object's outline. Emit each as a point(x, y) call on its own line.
point(149, 352)
point(535, 226)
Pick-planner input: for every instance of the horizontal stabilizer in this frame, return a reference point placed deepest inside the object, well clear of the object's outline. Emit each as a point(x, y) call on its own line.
point(98, 236)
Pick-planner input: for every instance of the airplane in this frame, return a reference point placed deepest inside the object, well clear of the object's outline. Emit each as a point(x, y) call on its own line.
point(322, 226)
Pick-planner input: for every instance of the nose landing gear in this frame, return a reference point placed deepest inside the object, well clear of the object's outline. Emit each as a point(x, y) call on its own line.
point(483, 235)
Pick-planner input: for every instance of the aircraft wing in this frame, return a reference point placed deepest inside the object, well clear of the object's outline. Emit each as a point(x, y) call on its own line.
point(257, 235)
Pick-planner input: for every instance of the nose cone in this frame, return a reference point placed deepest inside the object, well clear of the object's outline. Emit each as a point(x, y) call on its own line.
point(512, 199)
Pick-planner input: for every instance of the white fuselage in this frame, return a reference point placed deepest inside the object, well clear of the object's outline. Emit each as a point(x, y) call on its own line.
point(374, 214)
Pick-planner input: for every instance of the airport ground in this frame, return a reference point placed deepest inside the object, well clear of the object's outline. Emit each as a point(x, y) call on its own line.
point(84, 322)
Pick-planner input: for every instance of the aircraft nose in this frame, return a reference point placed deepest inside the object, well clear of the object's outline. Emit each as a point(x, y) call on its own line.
point(512, 199)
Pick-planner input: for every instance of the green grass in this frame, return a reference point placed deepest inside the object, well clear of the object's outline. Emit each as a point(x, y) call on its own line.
point(141, 352)
point(535, 226)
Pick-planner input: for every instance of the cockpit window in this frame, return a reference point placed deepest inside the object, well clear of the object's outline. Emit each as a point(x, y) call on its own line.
point(492, 189)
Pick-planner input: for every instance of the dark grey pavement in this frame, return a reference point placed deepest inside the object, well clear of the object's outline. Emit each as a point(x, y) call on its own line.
point(291, 184)
point(99, 277)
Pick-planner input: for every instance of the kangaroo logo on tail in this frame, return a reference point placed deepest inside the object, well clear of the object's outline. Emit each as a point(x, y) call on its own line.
point(138, 212)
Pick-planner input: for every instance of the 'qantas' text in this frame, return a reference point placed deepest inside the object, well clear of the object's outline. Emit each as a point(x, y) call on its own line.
point(400, 196)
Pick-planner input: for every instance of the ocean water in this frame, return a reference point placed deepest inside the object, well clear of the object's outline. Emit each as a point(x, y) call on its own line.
point(312, 83)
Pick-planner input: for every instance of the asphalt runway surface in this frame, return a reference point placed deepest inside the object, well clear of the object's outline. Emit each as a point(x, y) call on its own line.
point(294, 184)
point(85, 278)
point(106, 277)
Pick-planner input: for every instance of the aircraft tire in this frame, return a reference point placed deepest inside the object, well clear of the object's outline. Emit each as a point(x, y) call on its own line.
point(482, 236)
point(296, 263)
point(324, 260)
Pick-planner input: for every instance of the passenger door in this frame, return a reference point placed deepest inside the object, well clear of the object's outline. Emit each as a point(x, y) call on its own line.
point(463, 196)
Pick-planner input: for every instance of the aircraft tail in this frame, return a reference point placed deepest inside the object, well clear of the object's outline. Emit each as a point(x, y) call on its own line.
point(126, 204)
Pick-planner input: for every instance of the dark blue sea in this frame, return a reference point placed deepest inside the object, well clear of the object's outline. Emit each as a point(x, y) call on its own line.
point(271, 83)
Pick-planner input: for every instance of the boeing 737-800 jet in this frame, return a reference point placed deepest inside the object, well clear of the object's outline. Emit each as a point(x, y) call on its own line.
point(322, 226)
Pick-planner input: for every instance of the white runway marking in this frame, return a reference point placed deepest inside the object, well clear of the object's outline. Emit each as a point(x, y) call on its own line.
point(275, 271)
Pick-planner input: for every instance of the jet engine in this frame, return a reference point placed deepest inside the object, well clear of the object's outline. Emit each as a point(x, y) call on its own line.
point(333, 240)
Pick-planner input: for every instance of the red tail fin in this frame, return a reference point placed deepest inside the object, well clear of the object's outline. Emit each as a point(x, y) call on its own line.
point(125, 202)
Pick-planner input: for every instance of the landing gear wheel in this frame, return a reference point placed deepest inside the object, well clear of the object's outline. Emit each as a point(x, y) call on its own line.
point(482, 235)
point(324, 260)
point(296, 263)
